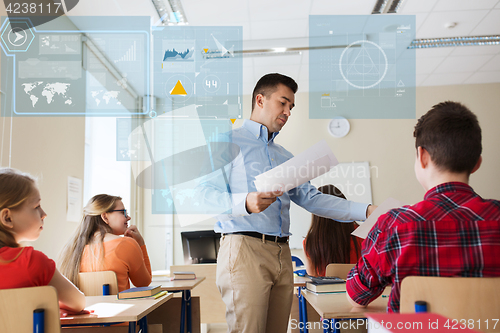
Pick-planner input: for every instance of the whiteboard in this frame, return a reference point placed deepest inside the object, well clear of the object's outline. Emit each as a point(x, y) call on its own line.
point(353, 179)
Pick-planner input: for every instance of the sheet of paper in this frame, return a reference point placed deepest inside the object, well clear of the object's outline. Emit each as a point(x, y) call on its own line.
point(75, 209)
point(313, 162)
point(363, 230)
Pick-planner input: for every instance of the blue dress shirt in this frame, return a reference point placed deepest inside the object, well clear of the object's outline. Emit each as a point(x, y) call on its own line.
point(258, 155)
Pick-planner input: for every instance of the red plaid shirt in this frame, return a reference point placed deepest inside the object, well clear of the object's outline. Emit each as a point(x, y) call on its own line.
point(453, 232)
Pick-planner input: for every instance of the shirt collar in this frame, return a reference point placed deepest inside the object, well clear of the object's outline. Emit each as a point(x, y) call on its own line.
point(258, 130)
point(449, 187)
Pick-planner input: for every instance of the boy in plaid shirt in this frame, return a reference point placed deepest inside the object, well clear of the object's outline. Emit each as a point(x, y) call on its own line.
point(452, 232)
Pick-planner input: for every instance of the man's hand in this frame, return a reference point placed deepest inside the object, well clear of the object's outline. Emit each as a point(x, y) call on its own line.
point(370, 209)
point(258, 201)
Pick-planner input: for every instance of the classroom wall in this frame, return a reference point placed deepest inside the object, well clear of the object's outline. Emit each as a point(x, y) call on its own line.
point(50, 148)
point(389, 145)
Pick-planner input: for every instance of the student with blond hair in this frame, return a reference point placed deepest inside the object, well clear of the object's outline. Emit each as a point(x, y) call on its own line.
point(98, 245)
point(22, 219)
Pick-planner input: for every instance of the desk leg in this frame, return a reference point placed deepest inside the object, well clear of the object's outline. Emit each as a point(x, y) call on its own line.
point(183, 312)
point(131, 327)
point(143, 324)
point(186, 318)
point(188, 311)
point(302, 312)
point(330, 326)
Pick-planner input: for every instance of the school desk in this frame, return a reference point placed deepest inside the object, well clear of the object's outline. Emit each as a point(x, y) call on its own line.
point(109, 309)
point(184, 286)
point(335, 306)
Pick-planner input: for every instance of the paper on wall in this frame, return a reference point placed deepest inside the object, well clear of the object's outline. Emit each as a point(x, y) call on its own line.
point(313, 162)
point(363, 230)
point(74, 213)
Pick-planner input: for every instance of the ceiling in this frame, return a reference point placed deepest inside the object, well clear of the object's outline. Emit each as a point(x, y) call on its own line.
point(282, 23)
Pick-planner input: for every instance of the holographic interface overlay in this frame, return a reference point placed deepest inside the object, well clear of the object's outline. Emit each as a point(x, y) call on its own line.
point(92, 66)
point(198, 66)
point(360, 67)
point(184, 160)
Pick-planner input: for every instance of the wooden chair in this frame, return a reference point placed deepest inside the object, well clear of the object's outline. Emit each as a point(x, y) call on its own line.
point(90, 283)
point(17, 305)
point(340, 270)
point(454, 297)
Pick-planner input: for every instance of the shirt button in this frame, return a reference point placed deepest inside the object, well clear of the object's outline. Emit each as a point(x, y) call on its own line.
point(272, 159)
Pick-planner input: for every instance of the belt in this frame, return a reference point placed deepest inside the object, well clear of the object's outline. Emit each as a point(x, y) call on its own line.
point(254, 234)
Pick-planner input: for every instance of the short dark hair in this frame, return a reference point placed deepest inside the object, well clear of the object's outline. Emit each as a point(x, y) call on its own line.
point(269, 83)
point(451, 134)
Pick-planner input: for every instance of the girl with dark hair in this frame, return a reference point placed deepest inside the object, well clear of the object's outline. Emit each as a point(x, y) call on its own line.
point(329, 241)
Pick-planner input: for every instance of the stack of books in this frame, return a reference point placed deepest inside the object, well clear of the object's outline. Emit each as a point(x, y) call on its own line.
point(326, 284)
point(142, 292)
point(184, 276)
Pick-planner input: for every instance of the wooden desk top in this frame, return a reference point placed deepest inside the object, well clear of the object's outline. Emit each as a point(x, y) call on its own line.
point(300, 281)
point(109, 309)
point(336, 306)
point(178, 285)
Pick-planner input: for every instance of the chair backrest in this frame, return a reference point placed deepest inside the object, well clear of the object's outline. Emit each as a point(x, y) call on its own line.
point(340, 270)
point(17, 305)
point(212, 308)
point(453, 297)
point(298, 262)
point(90, 283)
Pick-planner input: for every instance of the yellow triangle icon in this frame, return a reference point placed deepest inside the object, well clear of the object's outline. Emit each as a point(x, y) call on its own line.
point(233, 120)
point(205, 50)
point(178, 89)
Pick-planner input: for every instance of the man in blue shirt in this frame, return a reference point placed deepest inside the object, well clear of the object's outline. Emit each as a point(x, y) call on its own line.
point(254, 266)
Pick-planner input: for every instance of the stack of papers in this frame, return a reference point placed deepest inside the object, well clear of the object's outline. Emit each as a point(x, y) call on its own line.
point(363, 230)
point(312, 163)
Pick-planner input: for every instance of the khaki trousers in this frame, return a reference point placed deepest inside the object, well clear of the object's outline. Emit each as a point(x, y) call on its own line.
point(255, 279)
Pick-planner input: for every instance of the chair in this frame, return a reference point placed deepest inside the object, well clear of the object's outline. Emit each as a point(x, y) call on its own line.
point(17, 305)
point(90, 283)
point(476, 298)
point(298, 262)
point(340, 270)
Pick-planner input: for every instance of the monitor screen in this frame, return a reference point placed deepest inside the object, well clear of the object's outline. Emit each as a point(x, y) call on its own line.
point(200, 247)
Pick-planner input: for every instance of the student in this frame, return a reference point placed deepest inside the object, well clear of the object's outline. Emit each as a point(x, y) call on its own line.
point(98, 246)
point(329, 241)
point(21, 219)
point(453, 232)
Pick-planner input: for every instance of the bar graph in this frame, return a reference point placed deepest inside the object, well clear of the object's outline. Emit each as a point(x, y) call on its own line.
point(130, 54)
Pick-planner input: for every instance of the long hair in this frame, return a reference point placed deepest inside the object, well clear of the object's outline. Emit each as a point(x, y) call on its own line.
point(15, 188)
point(92, 223)
point(327, 240)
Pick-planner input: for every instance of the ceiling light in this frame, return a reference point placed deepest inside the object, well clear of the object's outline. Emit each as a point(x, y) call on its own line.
point(286, 50)
point(387, 6)
point(454, 41)
point(170, 12)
